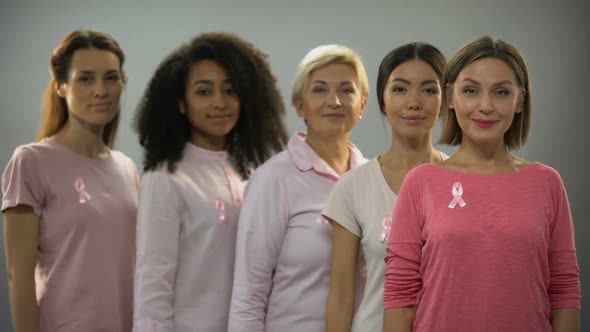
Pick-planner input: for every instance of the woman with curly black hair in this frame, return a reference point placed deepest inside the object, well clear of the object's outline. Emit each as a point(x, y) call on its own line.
point(210, 115)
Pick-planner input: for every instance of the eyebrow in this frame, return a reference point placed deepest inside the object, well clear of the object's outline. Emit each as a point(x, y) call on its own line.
point(341, 83)
point(92, 72)
point(472, 81)
point(403, 80)
point(209, 82)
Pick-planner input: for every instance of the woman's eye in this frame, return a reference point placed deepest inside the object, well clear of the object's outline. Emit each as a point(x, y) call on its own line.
point(230, 91)
point(203, 92)
point(318, 90)
point(398, 89)
point(431, 91)
point(469, 91)
point(502, 92)
point(348, 90)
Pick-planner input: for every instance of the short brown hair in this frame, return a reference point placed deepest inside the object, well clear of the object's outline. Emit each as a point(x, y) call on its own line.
point(53, 108)
point(480, 48)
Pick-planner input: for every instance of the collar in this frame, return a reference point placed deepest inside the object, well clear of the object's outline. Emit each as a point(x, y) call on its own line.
point(306, 159)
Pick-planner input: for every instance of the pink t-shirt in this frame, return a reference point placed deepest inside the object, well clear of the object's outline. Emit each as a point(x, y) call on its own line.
point(482, 252)
point(87, 210)
point(186, 234)
point(283, 249)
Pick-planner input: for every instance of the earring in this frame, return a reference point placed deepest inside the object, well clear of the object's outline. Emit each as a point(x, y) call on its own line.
point(360, 116)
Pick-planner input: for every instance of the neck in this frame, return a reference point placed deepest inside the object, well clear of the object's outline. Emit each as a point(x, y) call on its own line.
point(409, 152)
point(212, 143)
point(333, 150)
point(84, 139)
point(483, 154)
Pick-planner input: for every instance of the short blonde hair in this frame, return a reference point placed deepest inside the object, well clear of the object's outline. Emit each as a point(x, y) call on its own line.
point(481, 48)
point(326, 55)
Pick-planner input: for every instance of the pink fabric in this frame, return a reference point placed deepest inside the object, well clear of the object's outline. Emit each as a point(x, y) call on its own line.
point(186, 234)
point(87, 210)
point(499, 259)
point(283, 249)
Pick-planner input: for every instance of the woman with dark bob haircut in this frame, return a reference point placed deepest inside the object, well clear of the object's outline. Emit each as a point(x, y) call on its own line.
point(70, 200)
point(210, 115)
point(483, 241)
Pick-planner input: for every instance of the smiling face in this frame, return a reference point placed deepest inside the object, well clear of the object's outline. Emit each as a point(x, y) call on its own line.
point(211, 104)
point(331, 103)
point(485, 97)
point(93, 88)
point(412, 99)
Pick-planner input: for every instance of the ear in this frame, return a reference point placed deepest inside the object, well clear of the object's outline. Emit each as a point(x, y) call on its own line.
point(298, 104)
point(60, 89)
point(520, 101)
point(181, 107)
point(363, 106)
point(449, 96)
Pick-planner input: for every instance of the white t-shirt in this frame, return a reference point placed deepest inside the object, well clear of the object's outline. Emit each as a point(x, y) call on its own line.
point(363, 203)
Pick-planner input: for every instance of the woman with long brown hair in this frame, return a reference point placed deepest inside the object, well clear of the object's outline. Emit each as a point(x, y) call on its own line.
point(70, 201)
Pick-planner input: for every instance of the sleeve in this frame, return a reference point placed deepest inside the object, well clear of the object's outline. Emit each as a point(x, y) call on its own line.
point(564, 283)
point(261, 230)
point(341, 205)
point(158, 233)
point(403, 281)
point(22, 182)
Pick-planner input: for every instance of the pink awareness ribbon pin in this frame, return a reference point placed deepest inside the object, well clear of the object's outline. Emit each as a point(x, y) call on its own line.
point(220, 206)
point(81, 189)
point(322, 220)
point(386, 228)
point(457, 196)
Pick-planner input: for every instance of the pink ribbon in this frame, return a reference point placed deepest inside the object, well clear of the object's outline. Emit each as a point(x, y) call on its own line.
point(322, 220)
point(220, 206)
point(386, 228)
point(457, 196)
point(81, 189)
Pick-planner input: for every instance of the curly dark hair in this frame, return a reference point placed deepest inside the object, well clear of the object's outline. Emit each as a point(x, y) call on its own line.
point(260, 131)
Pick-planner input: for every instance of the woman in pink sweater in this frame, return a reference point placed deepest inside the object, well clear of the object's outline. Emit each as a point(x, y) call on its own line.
point(484, 241)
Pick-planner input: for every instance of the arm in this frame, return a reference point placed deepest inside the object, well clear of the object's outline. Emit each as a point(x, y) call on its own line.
point(399, 319)
point(564, 281)
point(261, 230)
point(21, 237)
point(340, 305)
point(403, 280)
point(565, 320)
point(158, 227)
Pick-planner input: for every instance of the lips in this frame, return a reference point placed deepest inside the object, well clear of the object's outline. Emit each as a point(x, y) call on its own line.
point(413, 119)
point(484, 123)
point(333, 115)
point(102, 106)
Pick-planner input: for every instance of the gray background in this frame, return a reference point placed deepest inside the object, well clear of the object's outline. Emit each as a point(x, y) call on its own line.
point(553, 37)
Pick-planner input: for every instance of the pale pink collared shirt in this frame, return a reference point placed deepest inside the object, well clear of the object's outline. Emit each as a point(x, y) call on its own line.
point(186, 233)
point(283, 248)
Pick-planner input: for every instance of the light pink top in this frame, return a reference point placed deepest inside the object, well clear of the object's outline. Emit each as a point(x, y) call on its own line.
point(482, 252)
point(186, 234)
point(283, 250)
point(87, 210)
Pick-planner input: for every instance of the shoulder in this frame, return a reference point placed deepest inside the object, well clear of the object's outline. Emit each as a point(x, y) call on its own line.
point(362, 173)
point(33, 151)
point(536, 171)
point(279, 164)
point(121, 158)
point(424, 171)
